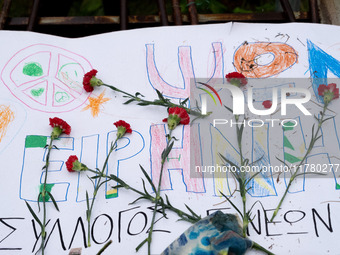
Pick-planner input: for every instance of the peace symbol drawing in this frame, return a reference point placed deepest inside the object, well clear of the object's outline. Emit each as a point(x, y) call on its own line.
point(47, 78)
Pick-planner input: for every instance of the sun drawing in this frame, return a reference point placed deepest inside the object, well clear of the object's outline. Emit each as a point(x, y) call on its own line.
point(95, 104)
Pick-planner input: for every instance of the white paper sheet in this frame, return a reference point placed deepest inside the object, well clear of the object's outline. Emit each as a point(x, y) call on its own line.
point(41, 77)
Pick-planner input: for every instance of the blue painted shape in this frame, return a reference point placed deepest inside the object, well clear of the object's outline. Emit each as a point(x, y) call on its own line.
point(227, 155)
point(205, 241)
point(182, 240)
point(261, 155)
point(319, 64)
point(193, 235)
point(221, 234)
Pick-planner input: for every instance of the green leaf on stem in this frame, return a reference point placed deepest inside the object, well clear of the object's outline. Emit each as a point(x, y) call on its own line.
point(258, 160)
point(184, 102)
point(167, 200)
point(235, 207)
point(167, 150)
point(145, 191)
point(103, 182)
point(33, 214)
point(87, 201)
point(90, 178)
point(229, 109)
point(142, 197)
point(53, 200)
point(141, 244)
point(191, 211)
point(148, 178)
point(138, 94)
point(309, 173)
point(283, 162)
point(38, 201)
point(143, 103)
point(117, 186)
point(252, 177)
point(160, 96)
point(327, 119)
point(129, 101)
point(162, 204)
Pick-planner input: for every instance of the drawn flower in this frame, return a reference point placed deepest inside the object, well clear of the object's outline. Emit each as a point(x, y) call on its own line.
point(90, 80)
point(73, 165)
point(267, 104)
point(177, 115)
point(236, 79)
point(122, 128)
point(59, 126)
point(329, 92)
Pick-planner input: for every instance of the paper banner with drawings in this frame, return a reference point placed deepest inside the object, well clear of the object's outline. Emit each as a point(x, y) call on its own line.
point(41, 77)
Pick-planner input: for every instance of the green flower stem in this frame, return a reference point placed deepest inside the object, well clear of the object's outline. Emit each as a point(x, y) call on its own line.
point(43, 195)
point(310, 147)
point(258, 247)
point(183, 215)
point(242, 180)
point(104, 247)
point(95, 191)
point(160, 102)
point(157, 199)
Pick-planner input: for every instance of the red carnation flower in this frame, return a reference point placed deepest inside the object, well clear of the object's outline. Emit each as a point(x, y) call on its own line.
point(237, 79)
point(90, 80)
point(59, 126)
point(70, 161)
point(329, 92)
point(122, 128)
point(177, 115)
point(267, 104)
point(73, 164)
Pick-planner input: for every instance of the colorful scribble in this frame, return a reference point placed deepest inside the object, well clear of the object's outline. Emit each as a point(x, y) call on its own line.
point(68, 75)
point(263, 59)
point(186, 69)
point(95, 104)
point(178, 159)
point(61, 97)
point(33, 69)
point(6, 117)
point(320, 63)
point(37, 92)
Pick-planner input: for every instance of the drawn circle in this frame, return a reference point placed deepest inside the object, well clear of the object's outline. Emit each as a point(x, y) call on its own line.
point(246, 59)
point(47, 78)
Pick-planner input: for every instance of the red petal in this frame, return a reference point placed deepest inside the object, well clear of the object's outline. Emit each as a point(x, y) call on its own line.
point(66, 128)
point(267, 104)
point(69, 162)
point(321, 89)
point(185, 121)
point(236, 75)
point(171, 110)
point(122, 123)
point(88, 88)
point(331, 87)
point(165, 120)
point(336, 93)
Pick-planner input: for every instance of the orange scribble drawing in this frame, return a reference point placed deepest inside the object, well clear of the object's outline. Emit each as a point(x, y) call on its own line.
point(6, 117)
point(95, 104)
point(245, 59)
